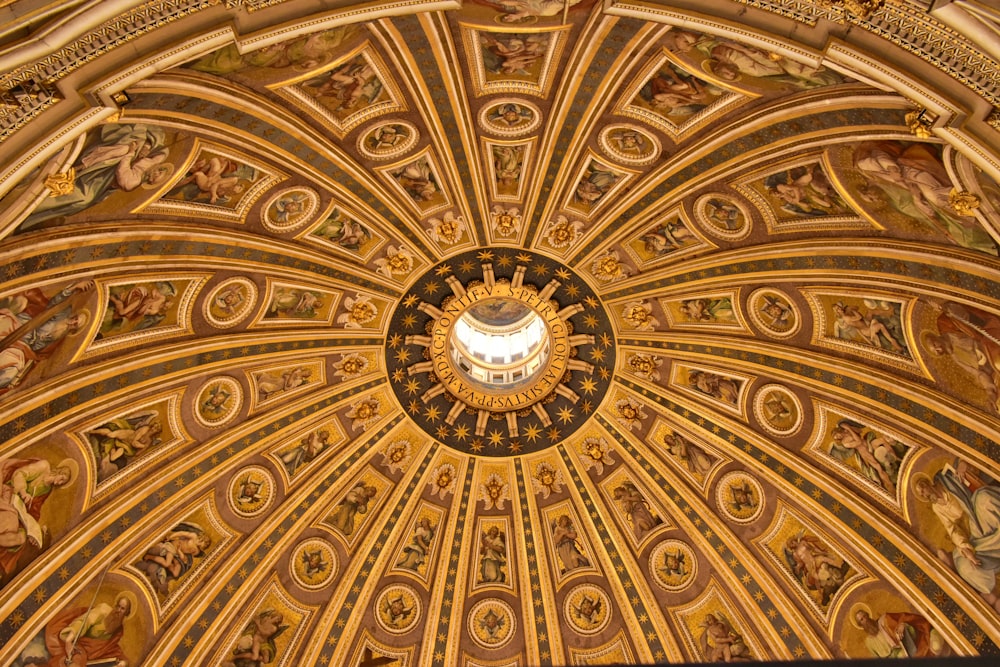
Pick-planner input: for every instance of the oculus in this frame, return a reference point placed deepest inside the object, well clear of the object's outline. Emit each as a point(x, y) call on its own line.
point(500, 352)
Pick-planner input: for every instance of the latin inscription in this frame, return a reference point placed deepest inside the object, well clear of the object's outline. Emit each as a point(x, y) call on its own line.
point(476, 395)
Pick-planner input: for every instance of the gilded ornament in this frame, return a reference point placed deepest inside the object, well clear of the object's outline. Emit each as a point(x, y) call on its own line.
point(609, 268)
point(397, 262)
point(493, 492)
point(919, 124)
point(645, 366)
point(993, 120)
point(443, 480)
point(596, 453)
point(639, 316)
point(447, 229)
point(563, 232)
point(963, 202)
point(61, 183)
point(506, 221)
point(397, 455)
point(351, 365)
point(364, 413)
point(360, 311)
point(629, 413)
point(860, 8)
point(546, 480)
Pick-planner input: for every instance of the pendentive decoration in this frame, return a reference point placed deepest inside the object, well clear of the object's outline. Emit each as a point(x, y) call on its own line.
point(500, 352)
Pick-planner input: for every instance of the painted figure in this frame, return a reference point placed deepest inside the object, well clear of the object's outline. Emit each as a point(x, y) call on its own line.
point(874, 455)
point(269, 385)
point(817, 567)
point(138, 307)
point(311, 446)
point(806, 191)
point(674, 92)
point(696, 459)
point(118, 442)
point(915, 182)
point(507, 163)
point(352, 85)
point(723, 214)
point(564, 537)
point(512, 54)
point(899, 635)
point(717, 386)
point(519, 11)
point(118, 158)
point(354, 503)
point(168, 560)
point(742, 498)
point(869, 326)
point(666, 237)
point(34, 326)
point(492, 556)
point(720, 643)
point(674, 564)
point(313, 563)
point(594, 184)
point(967, 503)
point(510, 115)
point(415, 553)
point(25, 485)
point(731, 61)
point(80, 636)
point(289, 208)
point(229, 301)
point(969, 337)
point(256, 646)
point(417, 180)
point(342, 231)
point(214, 178)
point(587, 609)
point(636, 508)
point(292, 303)
point(396, 611)
point(708, 310)
point(214, 406)
point(304, 54)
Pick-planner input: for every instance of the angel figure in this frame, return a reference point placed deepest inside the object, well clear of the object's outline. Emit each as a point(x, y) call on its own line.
point(170, 558)
point(820, 570)
point(720, 643)
point(313, 563)
point(587, 609)
point(256, 646)
point(397, 611)
point(674, 564)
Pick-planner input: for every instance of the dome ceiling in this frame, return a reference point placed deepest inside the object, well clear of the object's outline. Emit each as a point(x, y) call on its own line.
point(237, 426)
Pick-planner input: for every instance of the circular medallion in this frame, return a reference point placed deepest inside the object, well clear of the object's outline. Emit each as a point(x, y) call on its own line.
point(629, 144)
point(588, 609)
point(251, 491)
point(388, 140)
point(740, 497)
point(492, 623)
point(722, 217)
point(397, 609)
point(773, 313)
point(777, 409)
point(230, 302)
point(500, 352)
point(313, 564)
point(673, 565)
point(510, 117)
point(290, 208)
point(219, 400)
